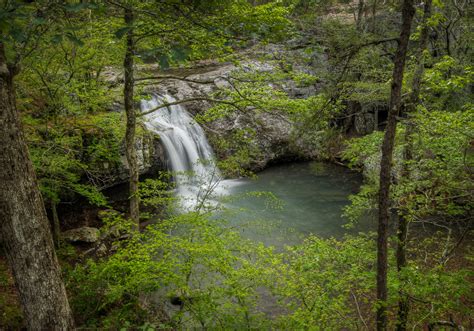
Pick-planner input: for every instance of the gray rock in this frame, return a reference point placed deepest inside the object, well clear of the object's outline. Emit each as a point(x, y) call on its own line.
point(365, 123)
point(273, 137)
point(274, 132)
point(82, 235)
point(151, 158)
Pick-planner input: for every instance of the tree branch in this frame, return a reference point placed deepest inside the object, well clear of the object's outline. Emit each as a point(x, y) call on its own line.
point(172, 77)
point(178, 102)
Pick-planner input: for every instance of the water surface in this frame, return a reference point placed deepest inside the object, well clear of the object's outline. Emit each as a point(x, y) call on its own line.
point(312, 197)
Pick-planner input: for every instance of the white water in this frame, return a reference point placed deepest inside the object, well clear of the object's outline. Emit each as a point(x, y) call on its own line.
point(313, 194)
point(190, 156)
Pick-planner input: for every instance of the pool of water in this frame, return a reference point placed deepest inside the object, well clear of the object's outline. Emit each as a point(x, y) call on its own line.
point(308, 199)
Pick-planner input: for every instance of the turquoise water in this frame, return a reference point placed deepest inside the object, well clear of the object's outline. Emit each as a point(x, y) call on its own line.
point(310, 198)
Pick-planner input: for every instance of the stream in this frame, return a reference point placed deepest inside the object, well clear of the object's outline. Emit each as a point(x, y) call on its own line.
point(284, 204)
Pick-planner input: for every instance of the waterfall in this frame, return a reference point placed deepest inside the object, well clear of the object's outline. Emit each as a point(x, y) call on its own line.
point(190, 156)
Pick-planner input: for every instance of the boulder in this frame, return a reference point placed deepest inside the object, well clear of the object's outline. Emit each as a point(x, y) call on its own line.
point(82, 235)
point(273, 138)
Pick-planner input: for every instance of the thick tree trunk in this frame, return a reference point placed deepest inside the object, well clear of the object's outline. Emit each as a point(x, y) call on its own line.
point(386, 164)
point(24, 226)
point(131, 151)
point(402, 233)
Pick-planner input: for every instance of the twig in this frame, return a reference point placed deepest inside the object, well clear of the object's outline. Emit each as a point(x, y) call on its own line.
point(358, 310)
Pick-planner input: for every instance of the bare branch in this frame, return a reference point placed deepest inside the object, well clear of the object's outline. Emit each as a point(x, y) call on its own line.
point(358, 310)
point(172, 77)
point(178, 102)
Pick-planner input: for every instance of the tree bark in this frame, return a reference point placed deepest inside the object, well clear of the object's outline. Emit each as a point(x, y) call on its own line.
point(386, 164)
point(55, 227)
point(131, 152)
point(24, 226)
point(414, 99)
point(374, 14)
point(360, 12)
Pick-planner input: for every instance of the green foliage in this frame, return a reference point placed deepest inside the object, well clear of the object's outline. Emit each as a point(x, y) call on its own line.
point(313, 125)
point(257, 94)
point(446, 83)
point(74, 148)
point(363, 204)
point(225, 282)
point(440, 182)
point(329, 284)
point(360, 149)
point(62, 76)
point(69, 54)
point(441, 292)
point(11, 316)
point(157, 195)
point(176, 33)
point(210, 268)
point(115, 224)
point(323, 279)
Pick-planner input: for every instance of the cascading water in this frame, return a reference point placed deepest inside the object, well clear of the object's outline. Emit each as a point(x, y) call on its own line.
point(190, 155)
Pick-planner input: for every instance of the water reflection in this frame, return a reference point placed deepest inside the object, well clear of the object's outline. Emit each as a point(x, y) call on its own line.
point(311, 195)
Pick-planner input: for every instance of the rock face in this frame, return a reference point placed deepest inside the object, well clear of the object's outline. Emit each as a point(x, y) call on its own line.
point(82, 235)
point(273, 132)
point(366, 117)
point(272, 138)
point(151, 158)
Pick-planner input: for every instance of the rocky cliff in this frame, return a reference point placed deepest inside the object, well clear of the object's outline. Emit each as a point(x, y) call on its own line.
point(270, 134)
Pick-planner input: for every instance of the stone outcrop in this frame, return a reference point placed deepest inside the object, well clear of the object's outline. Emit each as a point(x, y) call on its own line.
point(271, 141)
point(82, 235)
point(151, 159)
point(151, 155)
point(273, 131)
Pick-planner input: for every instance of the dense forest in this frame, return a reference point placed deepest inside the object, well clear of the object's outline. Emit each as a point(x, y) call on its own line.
point(236, 164)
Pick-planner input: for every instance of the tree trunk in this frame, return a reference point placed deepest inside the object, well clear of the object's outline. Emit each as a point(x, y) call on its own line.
point(131, 151)
point(448, 39)
point(55, 227)
point(386, 164)
point(403, 302)
point(374, 14)
point(24, 226)
point(360, 12)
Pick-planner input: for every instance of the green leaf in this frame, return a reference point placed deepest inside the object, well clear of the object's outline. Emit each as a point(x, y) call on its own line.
point(122, 31)
point(74, 39)
point(39, 21)
point(179, 54)
point(57, 38)
point(18, 35)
